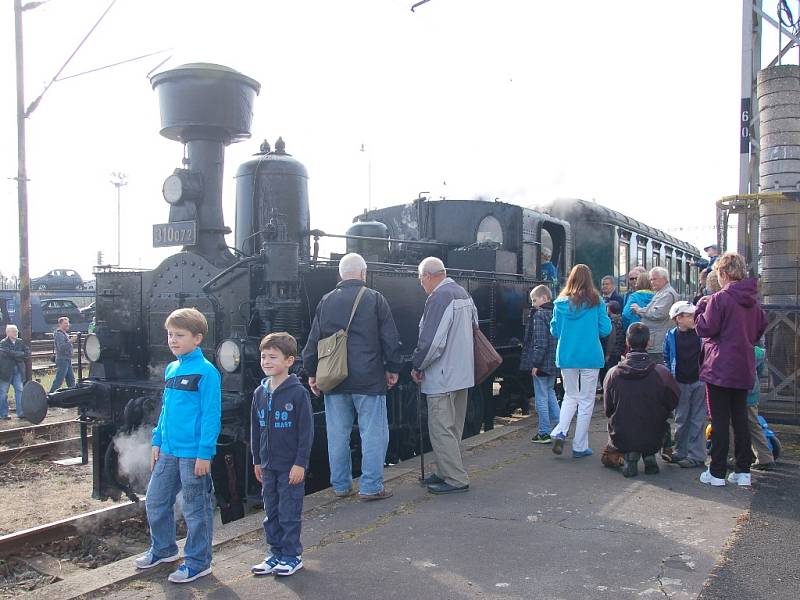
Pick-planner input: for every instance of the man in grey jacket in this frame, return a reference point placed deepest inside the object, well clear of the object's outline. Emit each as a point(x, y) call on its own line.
point(62, 346)
point(373, 365)
point(656, 314)
point(444, 367)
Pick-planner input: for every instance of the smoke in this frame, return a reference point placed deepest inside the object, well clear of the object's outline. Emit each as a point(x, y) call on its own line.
point(134, 457)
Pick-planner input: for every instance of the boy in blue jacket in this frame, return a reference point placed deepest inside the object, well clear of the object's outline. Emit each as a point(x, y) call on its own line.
point(281, 434)
point(184, 442)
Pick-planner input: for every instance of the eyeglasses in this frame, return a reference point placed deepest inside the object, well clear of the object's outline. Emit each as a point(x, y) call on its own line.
point(632, 278)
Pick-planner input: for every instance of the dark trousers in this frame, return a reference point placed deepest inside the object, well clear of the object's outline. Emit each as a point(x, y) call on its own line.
point(728, 406)
point(283, 504)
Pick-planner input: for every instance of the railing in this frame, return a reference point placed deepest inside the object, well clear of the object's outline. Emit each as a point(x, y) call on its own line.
point(781, 386)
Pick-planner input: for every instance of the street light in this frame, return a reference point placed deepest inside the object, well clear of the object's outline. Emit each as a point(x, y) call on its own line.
point(118, 180)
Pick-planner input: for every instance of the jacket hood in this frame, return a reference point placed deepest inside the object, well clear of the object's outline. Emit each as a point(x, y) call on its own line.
point(744, 292)
point(636, 365)
point(567, 309)
point(545, 306)
point(291, 381)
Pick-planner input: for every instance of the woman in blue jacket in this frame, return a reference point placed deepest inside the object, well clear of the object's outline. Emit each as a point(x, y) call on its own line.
point(579, 321)
point(641, 296)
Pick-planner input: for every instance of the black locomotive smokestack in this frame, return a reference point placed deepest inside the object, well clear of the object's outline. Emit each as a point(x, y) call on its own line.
point(206, 107)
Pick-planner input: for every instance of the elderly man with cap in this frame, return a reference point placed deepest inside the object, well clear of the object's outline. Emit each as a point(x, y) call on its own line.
point(444, 367)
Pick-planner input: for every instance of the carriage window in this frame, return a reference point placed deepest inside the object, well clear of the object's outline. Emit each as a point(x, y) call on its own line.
point(676, 281)
point(641, 256)
point(490, 230)
point(623, 264)
point(668, 265)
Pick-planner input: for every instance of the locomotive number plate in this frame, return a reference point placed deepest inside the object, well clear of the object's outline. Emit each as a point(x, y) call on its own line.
point(179, 233)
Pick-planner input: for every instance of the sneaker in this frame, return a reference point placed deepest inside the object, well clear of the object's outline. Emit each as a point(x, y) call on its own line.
point(650, 465)
point(770, 466)
point(708, 478)
point(582, 453)
point(558, 443)
point(541, 438)
point(690, 463)
point(432, 479)
point(184, 574)
point(267, 566)
point(148, 560)
point(631, 468)
point(288, 565)
point(344, 493)
point(740, 479)
point(382, 495)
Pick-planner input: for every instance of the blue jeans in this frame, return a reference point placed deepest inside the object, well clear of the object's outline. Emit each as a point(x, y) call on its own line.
point(546, 402)
point(170, 476)
point(63, 369)
point(16, 381)
point(340, 411)
point(283, 503)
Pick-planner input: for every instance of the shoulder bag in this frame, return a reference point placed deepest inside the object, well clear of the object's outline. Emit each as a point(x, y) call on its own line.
point(332, 354)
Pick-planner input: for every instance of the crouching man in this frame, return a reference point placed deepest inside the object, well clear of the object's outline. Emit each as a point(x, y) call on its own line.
point(639, 395)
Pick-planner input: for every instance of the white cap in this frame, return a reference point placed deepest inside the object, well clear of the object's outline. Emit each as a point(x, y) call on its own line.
point(681, 308)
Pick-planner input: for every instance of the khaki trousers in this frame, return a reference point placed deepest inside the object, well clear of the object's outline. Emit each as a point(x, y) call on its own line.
point(446, 414)
point(758, 441)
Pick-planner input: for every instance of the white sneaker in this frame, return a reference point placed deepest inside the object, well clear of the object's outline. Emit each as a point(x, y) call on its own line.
point(149, 560)
point(708, 478)
point(740, 479)
point(267, 566)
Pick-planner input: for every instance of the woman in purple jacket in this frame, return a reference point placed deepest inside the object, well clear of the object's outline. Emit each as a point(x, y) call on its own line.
point(730, 323)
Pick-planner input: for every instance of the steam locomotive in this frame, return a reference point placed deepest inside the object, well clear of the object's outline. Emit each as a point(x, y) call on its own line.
point(272, 281)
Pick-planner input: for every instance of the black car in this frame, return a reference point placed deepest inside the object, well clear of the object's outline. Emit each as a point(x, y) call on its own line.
point(53, 308)
point(58, 279)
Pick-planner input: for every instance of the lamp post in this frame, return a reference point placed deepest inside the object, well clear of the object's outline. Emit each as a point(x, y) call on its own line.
point(118, 180)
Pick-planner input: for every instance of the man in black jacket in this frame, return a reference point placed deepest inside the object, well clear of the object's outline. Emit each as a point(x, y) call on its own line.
point(13, 354)
point(373, 365)
point(639, 395)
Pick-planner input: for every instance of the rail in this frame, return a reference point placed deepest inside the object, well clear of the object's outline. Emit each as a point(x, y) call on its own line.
point(41, 449)
point(19, 434)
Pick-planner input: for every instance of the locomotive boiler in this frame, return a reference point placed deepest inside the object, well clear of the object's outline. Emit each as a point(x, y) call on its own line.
point(272, 280)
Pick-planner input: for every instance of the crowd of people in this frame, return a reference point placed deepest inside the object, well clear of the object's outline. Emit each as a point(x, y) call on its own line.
point(694, 361)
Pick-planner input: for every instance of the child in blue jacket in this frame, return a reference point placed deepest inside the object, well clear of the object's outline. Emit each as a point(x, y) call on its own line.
point(184, 442)
point(281, 434)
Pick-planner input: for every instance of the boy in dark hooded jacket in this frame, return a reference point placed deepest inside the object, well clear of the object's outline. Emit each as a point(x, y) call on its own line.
point(539, 359)
point(638, 397)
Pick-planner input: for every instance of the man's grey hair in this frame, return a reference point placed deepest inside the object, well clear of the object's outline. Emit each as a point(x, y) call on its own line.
point(12, 327)
point(609, 278)
point(351, 265)
point(659, 271)
point(432, 266)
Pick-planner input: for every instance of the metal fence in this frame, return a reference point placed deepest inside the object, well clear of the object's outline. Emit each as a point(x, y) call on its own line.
point(780, 389)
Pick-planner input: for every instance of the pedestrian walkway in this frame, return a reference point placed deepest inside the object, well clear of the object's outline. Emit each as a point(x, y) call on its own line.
point(533, 525)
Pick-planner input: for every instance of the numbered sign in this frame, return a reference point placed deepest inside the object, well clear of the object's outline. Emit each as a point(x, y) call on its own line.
point(179, 233)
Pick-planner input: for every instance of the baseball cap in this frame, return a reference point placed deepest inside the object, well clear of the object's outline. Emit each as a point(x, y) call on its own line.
point(714, 246)
point(681, 308)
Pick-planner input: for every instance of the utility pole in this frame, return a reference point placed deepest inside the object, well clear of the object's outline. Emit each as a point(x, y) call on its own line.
point(118, 180)
point(22, 194)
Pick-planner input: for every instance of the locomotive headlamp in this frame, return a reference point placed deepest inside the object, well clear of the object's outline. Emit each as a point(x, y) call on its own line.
point(92, 348)
point(182, 185)
point(229, 356)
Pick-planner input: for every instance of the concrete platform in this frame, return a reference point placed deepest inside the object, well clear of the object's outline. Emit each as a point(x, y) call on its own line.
point(533, 525)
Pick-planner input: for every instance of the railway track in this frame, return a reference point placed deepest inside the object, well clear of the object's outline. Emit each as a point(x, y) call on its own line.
point(19, 435)
point(41, 449)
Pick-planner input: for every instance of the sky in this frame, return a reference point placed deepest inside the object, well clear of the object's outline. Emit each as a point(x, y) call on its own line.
point(633, 104)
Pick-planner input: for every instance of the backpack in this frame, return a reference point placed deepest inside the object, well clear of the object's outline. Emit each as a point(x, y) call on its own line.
point(332, 354)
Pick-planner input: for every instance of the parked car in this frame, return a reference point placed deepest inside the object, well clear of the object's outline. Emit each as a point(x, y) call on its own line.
point(87, 313)
point(53, 308)
point(58, 279)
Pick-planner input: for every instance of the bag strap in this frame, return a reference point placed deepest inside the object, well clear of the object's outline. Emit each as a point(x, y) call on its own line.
point(355, 306)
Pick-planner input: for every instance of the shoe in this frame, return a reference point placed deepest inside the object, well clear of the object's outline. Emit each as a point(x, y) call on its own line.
point(432, 479)
point(148, 560)
point(770, 466)
point(558, 443)
point(446, 488)
point(288, 565)
point(667, 455)
point(650, 465)
point(690, 463)
point(382, 495)
point(184, 574)
point(708, 478)
point(631, 468)
point(582, 453)
point(740, 479)
point(541, 438)
point(267, 566)
point(344, 493)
